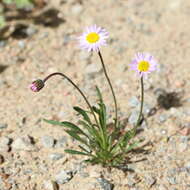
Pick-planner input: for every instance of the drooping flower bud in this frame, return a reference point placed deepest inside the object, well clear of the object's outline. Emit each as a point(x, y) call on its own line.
point(37, 85)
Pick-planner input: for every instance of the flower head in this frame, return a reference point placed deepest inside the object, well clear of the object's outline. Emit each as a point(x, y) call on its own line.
point(37, 85)
point(93, 38)
point(143, 63)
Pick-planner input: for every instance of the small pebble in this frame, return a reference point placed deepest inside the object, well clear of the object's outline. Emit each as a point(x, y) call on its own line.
point(30, 31)
point(50, 185)
point(172, 180)
point(182, 146)
point(162, 118)
point(77, 9)
point(105, 184)
point(22, 44)
point(149, 180)
point(185, 131)
point(5, 141)
point(133, 117)
point(147, 109)
point(3, 43)
point(23, 143)
point(63, 177)
point(62, 142)
point(47, 141)
point(131, 180)
point(3, 126)
point(133, 101)
point(56, 156)
point(4, 148)
point(163, 132)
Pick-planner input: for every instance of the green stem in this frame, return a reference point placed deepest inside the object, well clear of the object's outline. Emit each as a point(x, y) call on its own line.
point(79, 90)
point(141, 107)
point(109, 82)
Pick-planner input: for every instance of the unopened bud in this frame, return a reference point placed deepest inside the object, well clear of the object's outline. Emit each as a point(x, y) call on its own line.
point(37, 85)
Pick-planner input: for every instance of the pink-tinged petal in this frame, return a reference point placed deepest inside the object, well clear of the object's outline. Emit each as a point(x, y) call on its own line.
point(139, 57)
point(103, 35)
point(37, 85)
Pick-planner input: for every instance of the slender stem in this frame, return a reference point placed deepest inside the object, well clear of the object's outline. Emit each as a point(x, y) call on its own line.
point(141, 107)
point(109, 82)
point(79, 90)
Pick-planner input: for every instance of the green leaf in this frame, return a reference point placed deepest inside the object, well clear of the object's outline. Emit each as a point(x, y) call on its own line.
point(131, 146)
point(102, 115)
point(7, 1)
point(82, 148)
point(53, 122)
point(127, 137)
point(123, 141)
point(67, 125)
point(99, 94)
point(91, 129)
point(75, 152)
point(2, 21)
point(23, 3)
point(83, 113)
point(95, 109)
point(77, 137)
point(94, 133)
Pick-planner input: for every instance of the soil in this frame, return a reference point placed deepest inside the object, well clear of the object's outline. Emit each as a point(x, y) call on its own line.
point(162, 161)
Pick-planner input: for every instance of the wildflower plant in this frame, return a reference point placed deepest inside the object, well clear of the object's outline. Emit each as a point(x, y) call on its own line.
point(101, 142)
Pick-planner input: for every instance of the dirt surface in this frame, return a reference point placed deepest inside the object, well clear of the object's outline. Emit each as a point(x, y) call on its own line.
point(32, 152)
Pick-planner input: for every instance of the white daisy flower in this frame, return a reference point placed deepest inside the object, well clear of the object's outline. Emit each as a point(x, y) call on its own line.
point(93, 38)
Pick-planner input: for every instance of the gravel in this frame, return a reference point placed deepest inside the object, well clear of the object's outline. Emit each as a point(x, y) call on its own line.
point(23, 143)
point(133, 117)
point(61, 142)
point(134, 101)
point(50, 185)
point(47, 141)
point(105, 184)
point(77, 9)
point(56, 156)
point(3, 125)
point(63, 177)
point(150, 180)
point(4, 141)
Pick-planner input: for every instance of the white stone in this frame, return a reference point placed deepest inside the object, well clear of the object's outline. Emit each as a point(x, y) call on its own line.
point(50, 185)
point(23, 143)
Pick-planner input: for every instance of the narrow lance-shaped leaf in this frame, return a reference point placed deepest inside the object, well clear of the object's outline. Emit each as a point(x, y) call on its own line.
point(94, 133)
point(75, 152)
point(99, 94)
point(77, 137)
point(67, 124)
point(83, 113)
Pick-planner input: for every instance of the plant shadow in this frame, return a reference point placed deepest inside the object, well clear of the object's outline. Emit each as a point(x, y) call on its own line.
point(3, 68)
point(141, 150)
point(18, 21)
point(168, 100)
point(49, 18)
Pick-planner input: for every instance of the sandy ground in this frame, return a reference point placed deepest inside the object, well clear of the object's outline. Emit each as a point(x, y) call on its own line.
point(159, 27)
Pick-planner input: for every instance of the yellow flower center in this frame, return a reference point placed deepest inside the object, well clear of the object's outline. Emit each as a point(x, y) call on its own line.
point(143, 66)
point(92, 37)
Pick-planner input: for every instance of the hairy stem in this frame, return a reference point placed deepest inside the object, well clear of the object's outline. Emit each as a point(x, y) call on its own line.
point(141, 106)
point(109, 82)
